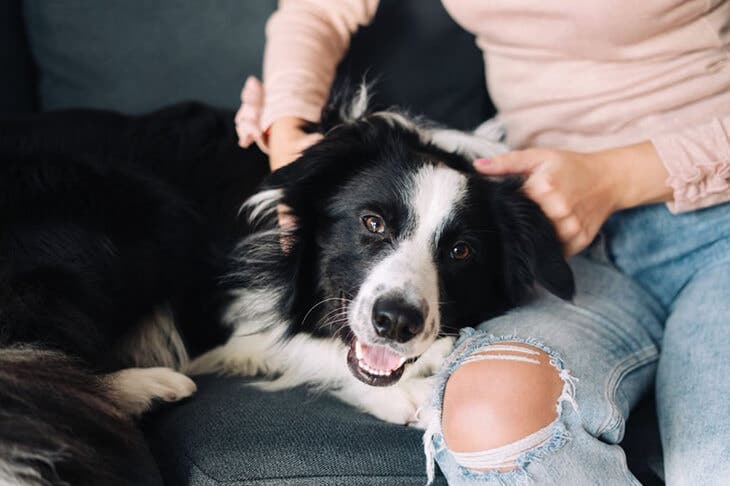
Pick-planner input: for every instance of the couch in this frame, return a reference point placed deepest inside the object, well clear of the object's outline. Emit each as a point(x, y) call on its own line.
point(135, 56)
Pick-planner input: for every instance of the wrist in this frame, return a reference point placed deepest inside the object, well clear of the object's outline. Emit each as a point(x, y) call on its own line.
point(285, 129)
point(637, 175)
point(282, 139)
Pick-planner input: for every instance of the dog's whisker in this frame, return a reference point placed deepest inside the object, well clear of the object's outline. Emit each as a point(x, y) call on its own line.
point(329, 318)
point(324, 301)
point(334, 320)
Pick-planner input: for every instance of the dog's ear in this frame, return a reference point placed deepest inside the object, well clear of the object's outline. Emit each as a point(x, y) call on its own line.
point(532, 251)
point(305, 184)
point(323, 168)
point(290, 256)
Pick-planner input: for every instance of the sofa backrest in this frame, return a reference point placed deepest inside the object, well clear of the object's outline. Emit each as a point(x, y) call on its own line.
point(135, 55)
point(17, 72)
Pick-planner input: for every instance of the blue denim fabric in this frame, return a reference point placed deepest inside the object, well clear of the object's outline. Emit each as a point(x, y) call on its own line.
point(652, 282)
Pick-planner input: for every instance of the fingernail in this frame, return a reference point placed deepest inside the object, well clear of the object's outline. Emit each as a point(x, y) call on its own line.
point(482, 161)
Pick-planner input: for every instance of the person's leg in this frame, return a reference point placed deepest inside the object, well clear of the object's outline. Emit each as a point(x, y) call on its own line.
point(693, 382)
point(684, 260)
point(541, 394)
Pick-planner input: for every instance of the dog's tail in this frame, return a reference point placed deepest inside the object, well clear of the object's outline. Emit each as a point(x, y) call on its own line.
point(59, 426)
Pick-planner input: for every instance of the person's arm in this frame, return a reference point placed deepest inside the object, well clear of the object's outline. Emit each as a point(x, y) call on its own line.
point(578, 191)
point(305, 40)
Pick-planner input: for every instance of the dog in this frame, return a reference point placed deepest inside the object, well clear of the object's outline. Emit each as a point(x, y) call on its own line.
point(132, 248)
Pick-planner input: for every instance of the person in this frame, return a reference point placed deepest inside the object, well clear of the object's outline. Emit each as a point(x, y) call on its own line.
point(619, 116)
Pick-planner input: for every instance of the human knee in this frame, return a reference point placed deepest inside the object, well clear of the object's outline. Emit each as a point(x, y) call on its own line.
point(501, 395)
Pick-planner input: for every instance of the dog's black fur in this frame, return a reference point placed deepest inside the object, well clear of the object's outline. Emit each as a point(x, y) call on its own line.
point(105, 218)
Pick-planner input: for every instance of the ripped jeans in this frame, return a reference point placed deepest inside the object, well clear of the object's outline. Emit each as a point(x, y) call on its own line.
point(652, 282)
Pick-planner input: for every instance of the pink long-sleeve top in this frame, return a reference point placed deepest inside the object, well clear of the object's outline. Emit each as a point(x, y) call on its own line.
point(571, 75)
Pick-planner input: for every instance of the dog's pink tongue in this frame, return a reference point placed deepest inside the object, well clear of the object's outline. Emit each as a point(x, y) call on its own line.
point(380, 357)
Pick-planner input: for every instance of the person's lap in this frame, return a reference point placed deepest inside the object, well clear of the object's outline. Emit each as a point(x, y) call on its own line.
point(693, 382)
point(685, 262)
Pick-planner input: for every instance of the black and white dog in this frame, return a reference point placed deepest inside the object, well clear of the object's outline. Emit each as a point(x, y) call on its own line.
point(127, 252)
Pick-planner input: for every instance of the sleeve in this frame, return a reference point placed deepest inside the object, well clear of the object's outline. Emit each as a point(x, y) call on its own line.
point(305, 40)
point(698, 162)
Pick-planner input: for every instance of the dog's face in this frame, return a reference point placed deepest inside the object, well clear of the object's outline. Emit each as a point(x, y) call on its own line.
point(397, 242)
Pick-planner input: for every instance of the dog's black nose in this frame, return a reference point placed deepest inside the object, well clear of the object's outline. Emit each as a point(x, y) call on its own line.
point(393, 318)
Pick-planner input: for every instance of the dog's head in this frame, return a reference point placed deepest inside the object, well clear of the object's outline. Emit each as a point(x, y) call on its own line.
point(398, 241)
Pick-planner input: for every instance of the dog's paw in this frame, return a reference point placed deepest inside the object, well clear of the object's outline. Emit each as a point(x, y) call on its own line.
point(420, 392)
point(432, 360)
point(135, 389)
point(397, 409)
point(398, 404)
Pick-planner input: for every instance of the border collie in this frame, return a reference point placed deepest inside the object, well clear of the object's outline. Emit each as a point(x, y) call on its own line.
point(127, 248)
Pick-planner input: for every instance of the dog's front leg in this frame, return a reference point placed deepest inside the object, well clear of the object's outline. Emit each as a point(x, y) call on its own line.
point(245, 354)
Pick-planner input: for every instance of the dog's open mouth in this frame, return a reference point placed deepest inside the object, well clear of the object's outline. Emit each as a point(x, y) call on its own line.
point(375, 365)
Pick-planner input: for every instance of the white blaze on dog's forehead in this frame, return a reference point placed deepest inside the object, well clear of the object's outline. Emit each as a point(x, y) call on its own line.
point(438, 192)
point(434, 194)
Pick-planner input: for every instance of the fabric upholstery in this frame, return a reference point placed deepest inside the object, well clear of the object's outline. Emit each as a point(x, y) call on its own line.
point(230, 433)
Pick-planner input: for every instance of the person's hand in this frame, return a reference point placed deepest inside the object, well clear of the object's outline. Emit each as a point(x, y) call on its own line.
point(571, 188)
point(578, 191)
point(287, 141)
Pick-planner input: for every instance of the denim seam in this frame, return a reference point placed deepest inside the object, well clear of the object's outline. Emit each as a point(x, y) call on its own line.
point(463, 349)
point(631, 363)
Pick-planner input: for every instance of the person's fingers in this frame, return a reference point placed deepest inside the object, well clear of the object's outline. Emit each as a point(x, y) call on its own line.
point(578, 243)
point(510, 163)
point(253, 91)
point(568, 228)
point(553, 204)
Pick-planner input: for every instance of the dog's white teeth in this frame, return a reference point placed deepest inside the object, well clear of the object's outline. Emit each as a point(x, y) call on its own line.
point(372, 371)
point(358, 350)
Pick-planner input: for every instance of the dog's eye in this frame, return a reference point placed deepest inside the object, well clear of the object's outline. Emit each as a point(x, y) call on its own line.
point(374, 224)
point(460, 251)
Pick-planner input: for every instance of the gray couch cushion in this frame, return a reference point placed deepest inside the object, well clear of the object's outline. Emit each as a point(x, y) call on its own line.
point(136, 55)
point(230, 433)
